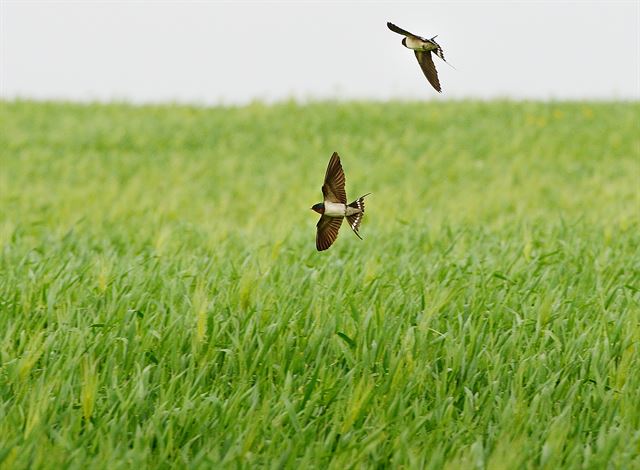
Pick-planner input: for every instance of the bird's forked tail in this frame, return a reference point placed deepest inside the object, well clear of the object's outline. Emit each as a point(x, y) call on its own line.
point(355, 219)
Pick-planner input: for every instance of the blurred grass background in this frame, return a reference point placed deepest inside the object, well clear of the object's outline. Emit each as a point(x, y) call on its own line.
point(163, 303)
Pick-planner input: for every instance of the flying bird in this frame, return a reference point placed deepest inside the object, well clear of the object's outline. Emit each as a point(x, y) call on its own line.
point(335, 207)
point(422, 48)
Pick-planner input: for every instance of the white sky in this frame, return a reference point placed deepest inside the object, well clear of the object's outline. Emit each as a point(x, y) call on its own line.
point(223, 52)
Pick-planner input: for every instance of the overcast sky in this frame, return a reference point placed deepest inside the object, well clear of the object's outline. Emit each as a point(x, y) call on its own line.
point(223, 52)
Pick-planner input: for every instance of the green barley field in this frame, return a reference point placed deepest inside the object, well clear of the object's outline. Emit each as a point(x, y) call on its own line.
point(162, 303)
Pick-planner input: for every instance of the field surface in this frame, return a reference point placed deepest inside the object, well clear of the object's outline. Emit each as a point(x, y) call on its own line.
point(162, 303)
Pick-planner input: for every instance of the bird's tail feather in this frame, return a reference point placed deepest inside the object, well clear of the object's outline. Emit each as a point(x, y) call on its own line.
point(440, 53)
point(355, 219)
point(359, 203)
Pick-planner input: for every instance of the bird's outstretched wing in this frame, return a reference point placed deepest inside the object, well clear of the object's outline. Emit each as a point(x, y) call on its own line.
point(399, 30)
point(334, 180)
point(327, 231)
point(428, 68)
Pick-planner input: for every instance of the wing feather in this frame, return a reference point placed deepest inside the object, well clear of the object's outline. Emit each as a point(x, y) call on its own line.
point(428, 68)
point(334, 181)
point(399, 30)
point(327, 231)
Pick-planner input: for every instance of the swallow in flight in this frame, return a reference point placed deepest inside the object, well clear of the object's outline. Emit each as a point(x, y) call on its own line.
point(335, 207)
point(422, 48)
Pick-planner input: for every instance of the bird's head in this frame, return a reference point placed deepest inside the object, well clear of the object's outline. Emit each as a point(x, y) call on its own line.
point(319, 208)
point(404, 42)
